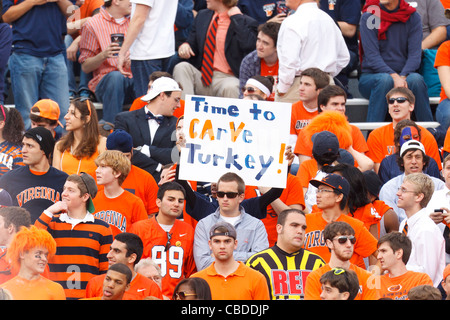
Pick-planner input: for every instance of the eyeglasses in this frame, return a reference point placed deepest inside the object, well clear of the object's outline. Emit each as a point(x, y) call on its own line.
point(324, 190)
point(344, 239)
point(403, 190)
point(230, 195)
point(182, 295)
point(169, 236)
point(399, 100)
point(338, 271)
point(249, 89)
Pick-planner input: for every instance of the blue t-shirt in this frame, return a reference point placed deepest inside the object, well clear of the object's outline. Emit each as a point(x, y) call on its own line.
point(40, 31)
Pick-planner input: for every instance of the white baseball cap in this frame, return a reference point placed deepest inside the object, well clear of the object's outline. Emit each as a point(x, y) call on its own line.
point(411, 145)
point(162, 84)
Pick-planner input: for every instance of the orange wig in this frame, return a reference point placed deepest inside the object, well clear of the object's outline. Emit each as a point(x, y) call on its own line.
point(27, 239)
point(332, 121)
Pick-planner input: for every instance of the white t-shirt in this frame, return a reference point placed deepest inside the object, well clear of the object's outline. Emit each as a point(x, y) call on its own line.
point(157, 37)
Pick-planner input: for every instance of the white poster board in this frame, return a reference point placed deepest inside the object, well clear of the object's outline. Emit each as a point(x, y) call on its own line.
point(246, 137)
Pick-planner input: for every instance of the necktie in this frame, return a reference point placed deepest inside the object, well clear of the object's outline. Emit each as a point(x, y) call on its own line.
point(158, 119)
point(405, 229)
point(208, 53)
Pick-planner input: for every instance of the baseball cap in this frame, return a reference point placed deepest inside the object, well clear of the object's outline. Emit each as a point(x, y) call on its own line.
point(162, 84)
point(119, 140)
point(325, 142)
point(91, 187)
point(411, 145)
point(47, 109)
point(231, 231)
point(334, 181)
point(42, 136)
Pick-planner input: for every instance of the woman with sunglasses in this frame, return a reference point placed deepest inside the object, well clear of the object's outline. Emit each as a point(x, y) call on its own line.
point(192, 289)
point(11, 132)
point(77, 150)
point(259, 85)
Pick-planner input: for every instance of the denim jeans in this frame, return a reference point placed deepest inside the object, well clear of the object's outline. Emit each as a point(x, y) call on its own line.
point(142, 69)
point(84, 77)
point(114, 90)
point(34, 78)
point(375, 86)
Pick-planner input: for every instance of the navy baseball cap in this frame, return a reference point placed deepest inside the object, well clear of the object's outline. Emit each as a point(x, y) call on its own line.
point(334, 181)
point(325, 142)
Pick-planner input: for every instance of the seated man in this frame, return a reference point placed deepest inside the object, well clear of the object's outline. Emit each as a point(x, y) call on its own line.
point(390, 57)
point(99, 56)
point(214, 59)
point(401, 103)
point(413, 159)
point(264, 60)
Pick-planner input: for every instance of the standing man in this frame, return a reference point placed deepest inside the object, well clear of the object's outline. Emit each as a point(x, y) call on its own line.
point(168, 240)
point(302, 45)
point(340, 239)
point(150, 41)
point(394, 250)
point(220, 38)
point(251, 232)
point(391, 54)
point(229, 279)
point(287, 265)
point(37, 63)
point(98, 54)
point(428, 244)
point(151, 127)
point(37, 185)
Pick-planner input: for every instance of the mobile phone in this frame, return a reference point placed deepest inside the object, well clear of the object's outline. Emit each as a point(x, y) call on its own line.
point(439, 210)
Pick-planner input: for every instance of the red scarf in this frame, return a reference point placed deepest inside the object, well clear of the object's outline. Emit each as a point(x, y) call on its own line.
point(387, 18)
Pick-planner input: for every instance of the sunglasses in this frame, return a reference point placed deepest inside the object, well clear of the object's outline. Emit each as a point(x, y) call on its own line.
point(230, 195)
point(88, 103)
point(249, 89)
point(344, 239)
point(169, 236)
point(399, 100)
point(182, 295)
point(338, 271)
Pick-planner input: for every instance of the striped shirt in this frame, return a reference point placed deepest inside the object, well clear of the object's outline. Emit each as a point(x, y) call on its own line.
point(285, 273)
point(96, 38)
point(81, 251)
point(10, 156)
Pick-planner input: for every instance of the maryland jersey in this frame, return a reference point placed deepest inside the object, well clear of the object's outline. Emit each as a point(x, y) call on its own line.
point(174, 256)
point(285, 273)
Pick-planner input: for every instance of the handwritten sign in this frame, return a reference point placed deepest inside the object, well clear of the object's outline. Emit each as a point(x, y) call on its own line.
point(247, 137)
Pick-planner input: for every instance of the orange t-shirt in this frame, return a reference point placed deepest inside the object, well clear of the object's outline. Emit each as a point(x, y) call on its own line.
point(313, 287)
point(140, 288)
point(365, 245)
point(447, 142)
point(381, 208)
point(368, 215)
point(38, 289)
point(71, 165)
point(142, 184)
point(307, 171)
point(300, 117)
point(381, 144)
point(120, 212)
point(397, 288)
point(304, 146)
point(270, 71)
point(443, 59)
point(292, 194)
point(243, 284)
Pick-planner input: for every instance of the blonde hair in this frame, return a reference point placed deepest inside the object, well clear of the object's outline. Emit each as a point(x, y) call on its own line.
point(424, 184)
point(117, 161)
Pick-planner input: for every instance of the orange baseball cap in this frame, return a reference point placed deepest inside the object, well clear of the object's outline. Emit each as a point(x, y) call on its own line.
point(48, 109)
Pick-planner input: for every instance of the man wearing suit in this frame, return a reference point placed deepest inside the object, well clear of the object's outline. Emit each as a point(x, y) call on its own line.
point(152, 127)
point(220, 38)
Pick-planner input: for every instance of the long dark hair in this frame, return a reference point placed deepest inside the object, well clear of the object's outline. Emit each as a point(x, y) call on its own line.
point(14, 125)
